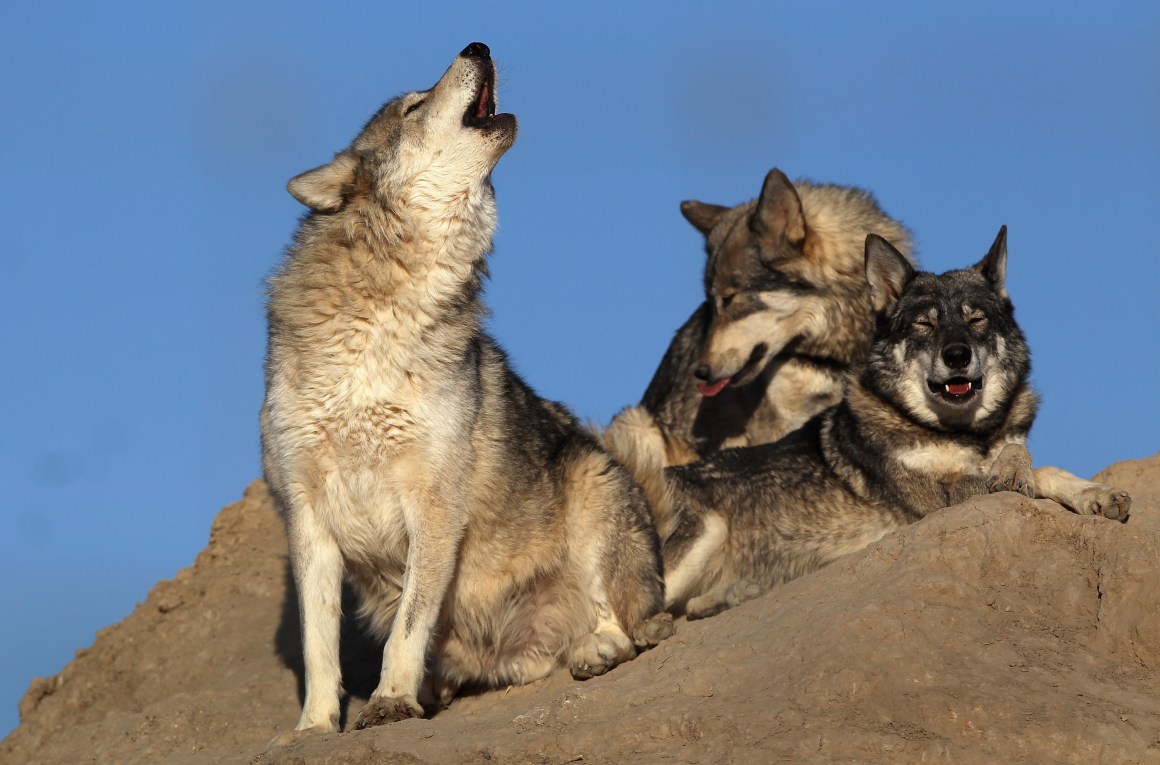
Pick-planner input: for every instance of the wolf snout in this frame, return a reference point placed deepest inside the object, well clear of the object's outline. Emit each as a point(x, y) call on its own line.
point(957, 356)
point(476, 50)
point(705, 383)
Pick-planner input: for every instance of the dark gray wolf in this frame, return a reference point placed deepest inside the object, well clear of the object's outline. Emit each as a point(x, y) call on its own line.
point(786, 314)
point(485, 531)
point(939, 413)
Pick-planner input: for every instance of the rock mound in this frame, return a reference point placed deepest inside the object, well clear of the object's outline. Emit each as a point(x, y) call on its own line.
point(999, 630)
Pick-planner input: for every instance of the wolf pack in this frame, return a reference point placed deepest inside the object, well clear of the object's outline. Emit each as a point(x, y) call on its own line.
point(825, 393)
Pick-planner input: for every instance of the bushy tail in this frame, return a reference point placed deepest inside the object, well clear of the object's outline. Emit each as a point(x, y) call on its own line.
point(635, 440)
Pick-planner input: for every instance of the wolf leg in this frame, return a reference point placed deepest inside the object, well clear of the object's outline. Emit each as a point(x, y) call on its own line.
point(1012, 471)
point(317, 568)
point(722, 598)
point(618, 558)
point(434, 527)
point(1080, 496)
point(691, 556)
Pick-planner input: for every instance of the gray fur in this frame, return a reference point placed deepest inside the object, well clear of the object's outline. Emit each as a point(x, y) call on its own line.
point(939, 413)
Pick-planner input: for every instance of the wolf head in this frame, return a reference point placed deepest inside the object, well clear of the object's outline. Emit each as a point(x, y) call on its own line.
point(947, 351)
point(756, 282)
point(431, 147)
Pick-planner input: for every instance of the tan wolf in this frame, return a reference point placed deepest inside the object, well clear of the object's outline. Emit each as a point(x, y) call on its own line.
point(487, 534)
point(786, 314)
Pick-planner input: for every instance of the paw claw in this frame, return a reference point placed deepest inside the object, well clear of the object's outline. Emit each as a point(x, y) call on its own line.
point(1012, 472)
point(596, 653)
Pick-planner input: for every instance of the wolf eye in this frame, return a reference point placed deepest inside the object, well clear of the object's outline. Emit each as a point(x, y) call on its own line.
point(414, 106)
point(924, 323)
point(727, 300)
point(977, 321)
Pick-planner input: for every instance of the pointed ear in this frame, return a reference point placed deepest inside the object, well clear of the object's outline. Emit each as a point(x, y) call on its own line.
point(325, 188)
point(702, 215)
point(887, 272)
point(993, 266)
point(778, 212)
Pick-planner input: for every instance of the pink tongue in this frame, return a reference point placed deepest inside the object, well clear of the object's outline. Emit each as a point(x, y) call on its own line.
point(714, 389)
point(959, 389)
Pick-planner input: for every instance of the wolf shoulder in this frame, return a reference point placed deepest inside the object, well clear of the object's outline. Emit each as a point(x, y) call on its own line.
point(747, 477)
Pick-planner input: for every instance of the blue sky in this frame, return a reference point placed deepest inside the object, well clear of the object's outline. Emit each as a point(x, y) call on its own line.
point(144, 151)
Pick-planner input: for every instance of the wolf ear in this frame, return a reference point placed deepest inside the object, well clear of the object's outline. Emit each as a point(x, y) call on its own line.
point(325, 188)
point(887, 272)
point(778, 212)
point(702, 215)
point(993, 266)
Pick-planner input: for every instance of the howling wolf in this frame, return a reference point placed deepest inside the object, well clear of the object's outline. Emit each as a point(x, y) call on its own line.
point(489, 537)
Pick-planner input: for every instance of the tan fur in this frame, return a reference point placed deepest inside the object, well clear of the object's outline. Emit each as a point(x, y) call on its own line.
point(806, 233)
point(479, 524)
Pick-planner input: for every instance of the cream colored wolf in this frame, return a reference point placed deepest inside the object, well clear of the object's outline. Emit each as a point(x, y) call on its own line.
point(484, 530)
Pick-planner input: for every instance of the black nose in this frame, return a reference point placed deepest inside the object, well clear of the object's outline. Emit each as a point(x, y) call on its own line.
point(702, 372)
point(476, 50)
point(957, 355)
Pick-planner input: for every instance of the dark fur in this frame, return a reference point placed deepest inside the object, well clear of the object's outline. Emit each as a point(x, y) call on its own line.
point(891, 452)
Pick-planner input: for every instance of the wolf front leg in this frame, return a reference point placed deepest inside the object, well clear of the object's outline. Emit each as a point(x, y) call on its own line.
point(1081, 496)
point(434, 529)
point(316, 562)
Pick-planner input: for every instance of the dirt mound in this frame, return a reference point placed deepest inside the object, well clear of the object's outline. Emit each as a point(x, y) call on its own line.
point(1000, 630)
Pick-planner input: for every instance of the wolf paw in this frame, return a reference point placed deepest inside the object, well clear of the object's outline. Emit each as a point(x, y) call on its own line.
point(383, 709)
point(1098, 499)
point(1012, 471)
point(722, 599)
point(596, 653)
point(653, 630)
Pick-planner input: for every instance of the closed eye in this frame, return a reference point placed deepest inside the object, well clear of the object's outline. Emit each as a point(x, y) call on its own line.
point(414, 106)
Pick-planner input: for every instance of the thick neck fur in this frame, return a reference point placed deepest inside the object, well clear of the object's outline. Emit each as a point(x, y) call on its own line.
point(399, 277)
point(864, 435)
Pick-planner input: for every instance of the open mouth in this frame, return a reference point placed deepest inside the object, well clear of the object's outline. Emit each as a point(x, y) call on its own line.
point(741, 377)
point(957, 390)
point(481, 110)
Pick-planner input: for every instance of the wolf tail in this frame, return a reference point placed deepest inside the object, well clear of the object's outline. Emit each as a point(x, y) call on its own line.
point(635, 440)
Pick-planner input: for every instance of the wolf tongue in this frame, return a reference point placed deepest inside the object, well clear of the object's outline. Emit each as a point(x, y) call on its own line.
point(712, 389)
point(481, 109)
point(958, 389)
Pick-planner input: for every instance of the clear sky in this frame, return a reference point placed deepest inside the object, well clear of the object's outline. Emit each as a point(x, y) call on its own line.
point(144, 151)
